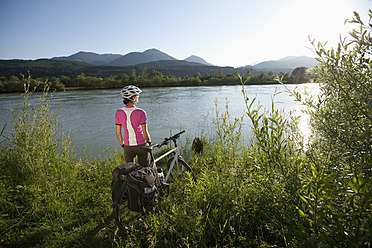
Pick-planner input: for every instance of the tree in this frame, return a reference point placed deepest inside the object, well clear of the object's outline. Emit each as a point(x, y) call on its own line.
point(344, 112)
point(299, 75)
point(133, 77)
point(14, 79)
point(65, 80)
point(236, 74)
point(156, 75)
point(57, 85)
point(270, 76)
point(284, 76)
point(218, 73)
point(143, 75)
point(336, 196)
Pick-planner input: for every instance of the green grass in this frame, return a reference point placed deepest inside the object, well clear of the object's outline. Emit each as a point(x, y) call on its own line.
point(48, 196)
point(261, 195)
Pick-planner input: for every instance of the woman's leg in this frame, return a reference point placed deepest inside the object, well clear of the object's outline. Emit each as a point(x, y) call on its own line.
point(129, 154)
point(143, 156)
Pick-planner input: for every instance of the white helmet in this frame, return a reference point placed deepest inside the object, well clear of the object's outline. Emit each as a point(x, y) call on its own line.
point(129, 91)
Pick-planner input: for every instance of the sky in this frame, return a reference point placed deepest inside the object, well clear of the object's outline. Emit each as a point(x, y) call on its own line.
point(222, 32)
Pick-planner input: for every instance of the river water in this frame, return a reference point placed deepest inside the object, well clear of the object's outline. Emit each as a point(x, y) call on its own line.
point(91, 113)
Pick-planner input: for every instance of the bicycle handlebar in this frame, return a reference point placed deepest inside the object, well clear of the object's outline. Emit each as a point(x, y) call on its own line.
point(165, 142)
point(174, 137)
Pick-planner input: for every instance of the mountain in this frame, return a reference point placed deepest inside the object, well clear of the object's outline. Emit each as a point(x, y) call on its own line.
point(196, 59)
point(288, 63)
point(90, 58)
point(135, 58)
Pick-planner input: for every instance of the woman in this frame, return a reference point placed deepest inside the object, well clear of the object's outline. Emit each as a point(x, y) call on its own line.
point(134, 122)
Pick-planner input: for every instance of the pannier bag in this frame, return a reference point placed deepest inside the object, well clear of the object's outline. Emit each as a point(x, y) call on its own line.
point(116, 182)
point(142, 191)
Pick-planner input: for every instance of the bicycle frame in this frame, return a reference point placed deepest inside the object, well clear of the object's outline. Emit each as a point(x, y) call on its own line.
point(153, 164)
point(173, 151)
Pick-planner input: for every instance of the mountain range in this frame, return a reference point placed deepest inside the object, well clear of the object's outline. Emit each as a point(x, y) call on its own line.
point(105, 65)
point(90, 58)
point(290, 62)
point(152, 55)
point(132, 58)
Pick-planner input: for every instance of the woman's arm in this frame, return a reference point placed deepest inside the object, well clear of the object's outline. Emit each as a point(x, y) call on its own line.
point(146, 132)
point(118, 134)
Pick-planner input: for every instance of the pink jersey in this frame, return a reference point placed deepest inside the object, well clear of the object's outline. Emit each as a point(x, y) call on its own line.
point(131, 118)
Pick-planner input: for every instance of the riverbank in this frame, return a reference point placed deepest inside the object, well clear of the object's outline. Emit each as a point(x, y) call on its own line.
point(154, 79)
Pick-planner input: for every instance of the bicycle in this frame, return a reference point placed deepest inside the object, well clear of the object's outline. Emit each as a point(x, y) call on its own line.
point(174, 170)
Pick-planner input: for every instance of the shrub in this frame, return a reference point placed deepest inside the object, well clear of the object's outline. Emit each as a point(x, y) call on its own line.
point(336, 198)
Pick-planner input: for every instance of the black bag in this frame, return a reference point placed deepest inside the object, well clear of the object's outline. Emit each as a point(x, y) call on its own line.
point(117, 181)
point(142, 191)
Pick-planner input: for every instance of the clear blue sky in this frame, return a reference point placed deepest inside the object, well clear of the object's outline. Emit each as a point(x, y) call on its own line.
point(234, 32)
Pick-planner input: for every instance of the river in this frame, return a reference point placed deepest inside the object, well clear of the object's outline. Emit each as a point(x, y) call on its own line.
point(91, 113)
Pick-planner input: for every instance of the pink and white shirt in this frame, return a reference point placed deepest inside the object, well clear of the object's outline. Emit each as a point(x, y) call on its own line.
point(131, 118)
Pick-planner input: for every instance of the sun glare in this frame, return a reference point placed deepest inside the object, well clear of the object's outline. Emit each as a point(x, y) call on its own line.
point(322, 20)
point(288, 32)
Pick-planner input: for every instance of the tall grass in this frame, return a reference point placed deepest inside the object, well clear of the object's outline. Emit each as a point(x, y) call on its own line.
point(271, 193)
point(48, 197)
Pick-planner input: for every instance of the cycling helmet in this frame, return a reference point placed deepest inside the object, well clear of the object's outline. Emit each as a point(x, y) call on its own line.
point(129, 91)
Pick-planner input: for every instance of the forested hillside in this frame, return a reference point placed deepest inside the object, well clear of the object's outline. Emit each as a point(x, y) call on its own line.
point(55, 68)
point(152, 78)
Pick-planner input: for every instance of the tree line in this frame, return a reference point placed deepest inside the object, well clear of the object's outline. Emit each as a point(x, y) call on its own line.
point(153, 78)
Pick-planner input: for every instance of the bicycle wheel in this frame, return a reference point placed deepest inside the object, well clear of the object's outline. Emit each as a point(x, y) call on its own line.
point(179, 168)
point(124, 217)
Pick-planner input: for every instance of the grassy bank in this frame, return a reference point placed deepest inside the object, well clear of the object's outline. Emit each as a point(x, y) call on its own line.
point(279, 191)
point(48, 196)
